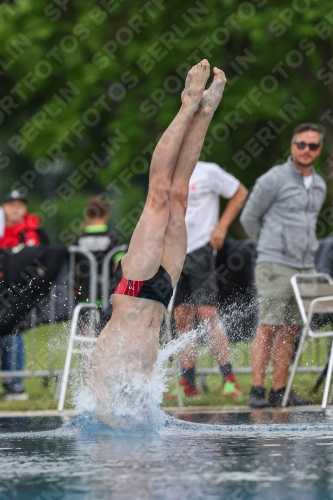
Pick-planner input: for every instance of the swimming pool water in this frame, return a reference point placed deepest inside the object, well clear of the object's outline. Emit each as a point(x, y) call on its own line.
point(255, 455)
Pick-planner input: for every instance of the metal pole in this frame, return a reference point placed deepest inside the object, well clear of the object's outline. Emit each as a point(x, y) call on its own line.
point(71, 281)
point(52, 323)
point(174, 370)
point(295, 364)
point(93, 269)
point(72, 339)
point(106, 273)
point(65, 374)
point(33, 336)
point(328, 380)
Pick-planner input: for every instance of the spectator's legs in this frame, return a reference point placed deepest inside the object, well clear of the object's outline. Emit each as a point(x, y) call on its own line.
point(282, 352)
point(261, 352)
point(219, 346)
point(276, 342)
point(13, 360)
point(184, 317)
point(217, 341)
point(216, 336)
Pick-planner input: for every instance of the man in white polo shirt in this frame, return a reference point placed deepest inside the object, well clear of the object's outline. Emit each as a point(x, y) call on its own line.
point(196, 292)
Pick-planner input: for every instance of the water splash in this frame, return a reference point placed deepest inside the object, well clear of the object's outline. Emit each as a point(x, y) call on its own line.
point(129, 400)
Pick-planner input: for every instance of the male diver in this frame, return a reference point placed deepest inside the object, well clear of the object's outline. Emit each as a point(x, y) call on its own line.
point(147, 275)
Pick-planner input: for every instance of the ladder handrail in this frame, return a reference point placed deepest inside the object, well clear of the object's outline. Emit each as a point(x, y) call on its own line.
point(106, 272)
point(93, 273)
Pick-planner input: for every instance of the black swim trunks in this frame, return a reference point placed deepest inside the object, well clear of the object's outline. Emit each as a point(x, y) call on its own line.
point(158, 288)
point(197, 284)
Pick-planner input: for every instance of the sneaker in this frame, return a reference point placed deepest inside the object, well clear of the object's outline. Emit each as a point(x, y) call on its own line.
point(189, 390)
point(257, 397)
point(230, 388)
point(16, 396)
point(275, 398)
point(13, 393)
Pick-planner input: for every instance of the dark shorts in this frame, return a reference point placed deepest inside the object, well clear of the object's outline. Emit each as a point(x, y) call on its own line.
point(197, 284)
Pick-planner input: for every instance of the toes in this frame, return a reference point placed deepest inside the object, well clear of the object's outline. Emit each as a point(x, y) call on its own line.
point(219, 75)
point(218, 72)
point(201, 66)
point(205, 65)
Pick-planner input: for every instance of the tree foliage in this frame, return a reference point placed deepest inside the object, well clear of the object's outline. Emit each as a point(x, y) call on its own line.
point(89, 86)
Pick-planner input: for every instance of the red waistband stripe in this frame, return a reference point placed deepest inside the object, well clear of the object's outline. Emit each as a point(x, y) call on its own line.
point(129, 287)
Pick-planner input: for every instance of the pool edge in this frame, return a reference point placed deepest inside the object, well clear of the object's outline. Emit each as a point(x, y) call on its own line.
point(171, 410)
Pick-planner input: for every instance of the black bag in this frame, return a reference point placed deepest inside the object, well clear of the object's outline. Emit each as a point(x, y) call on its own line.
point(26, 277)
point(237, 293)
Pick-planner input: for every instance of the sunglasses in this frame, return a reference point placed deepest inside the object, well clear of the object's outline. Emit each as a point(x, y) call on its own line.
point(312, 145)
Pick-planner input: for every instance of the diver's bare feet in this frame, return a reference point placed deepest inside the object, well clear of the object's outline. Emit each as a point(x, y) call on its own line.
point(195, 85)
point(212, 96)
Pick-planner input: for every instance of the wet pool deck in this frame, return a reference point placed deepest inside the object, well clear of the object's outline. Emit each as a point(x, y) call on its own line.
point(172, 410)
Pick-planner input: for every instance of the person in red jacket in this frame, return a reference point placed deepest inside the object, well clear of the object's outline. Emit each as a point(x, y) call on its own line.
point(21, 228)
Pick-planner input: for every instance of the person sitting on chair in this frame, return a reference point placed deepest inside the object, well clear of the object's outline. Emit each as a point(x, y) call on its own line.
point(98, 239)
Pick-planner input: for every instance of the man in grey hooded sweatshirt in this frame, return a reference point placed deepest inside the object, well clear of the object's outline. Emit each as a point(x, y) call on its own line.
point(280, 216)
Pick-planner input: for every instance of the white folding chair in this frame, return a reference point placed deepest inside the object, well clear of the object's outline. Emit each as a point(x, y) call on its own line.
point(94, 280)
point(314, 295)
point(73, 337)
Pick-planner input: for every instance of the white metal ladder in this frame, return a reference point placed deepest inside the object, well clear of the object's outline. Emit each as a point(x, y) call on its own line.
point(73, 337)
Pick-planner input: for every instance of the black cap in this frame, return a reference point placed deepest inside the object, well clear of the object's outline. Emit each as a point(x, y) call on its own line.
point(15, 195)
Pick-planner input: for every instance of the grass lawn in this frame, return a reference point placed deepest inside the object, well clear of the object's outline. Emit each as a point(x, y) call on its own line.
point(41, 354)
